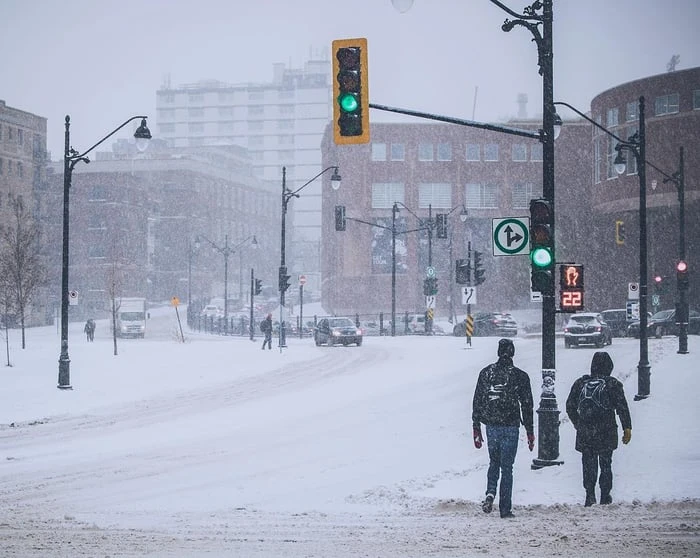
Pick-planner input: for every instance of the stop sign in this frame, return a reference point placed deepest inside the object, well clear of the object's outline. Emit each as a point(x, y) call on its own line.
point(302, 279)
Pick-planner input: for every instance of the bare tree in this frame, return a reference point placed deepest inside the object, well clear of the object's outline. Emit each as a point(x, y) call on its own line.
point(20, 259)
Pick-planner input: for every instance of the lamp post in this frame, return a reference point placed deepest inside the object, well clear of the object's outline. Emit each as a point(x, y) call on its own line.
point(226, 251)
point(288, 194)
point(678, 178)
point(637, 146)
point(71, 157)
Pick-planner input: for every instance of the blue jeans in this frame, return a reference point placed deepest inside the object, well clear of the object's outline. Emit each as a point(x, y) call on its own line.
point(503, 445)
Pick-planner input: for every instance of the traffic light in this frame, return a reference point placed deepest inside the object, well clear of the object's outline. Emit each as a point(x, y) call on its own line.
point(571, 291)
point(479, 272)
point(339, 217)
point(463, 272)
point(350, 92)
point(283, 279)
point(682, 274)
point(441, 220)
point(619, 232)
point(258, 287)
point(542, 246)
point(658, 283)
point(430, 287)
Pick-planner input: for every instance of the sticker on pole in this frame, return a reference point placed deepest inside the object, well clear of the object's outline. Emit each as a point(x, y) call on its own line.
point(72, 298)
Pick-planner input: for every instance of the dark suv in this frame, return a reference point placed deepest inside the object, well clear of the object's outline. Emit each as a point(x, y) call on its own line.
point(337, 331)
point(617, 320)
point(489, 324)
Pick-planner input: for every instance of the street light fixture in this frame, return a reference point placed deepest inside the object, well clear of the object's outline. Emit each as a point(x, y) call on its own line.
point(226, 251)
point(288, 194)
point(636, 144)
point(71, 157)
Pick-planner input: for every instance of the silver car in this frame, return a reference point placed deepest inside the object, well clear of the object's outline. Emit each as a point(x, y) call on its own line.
point(587, 328)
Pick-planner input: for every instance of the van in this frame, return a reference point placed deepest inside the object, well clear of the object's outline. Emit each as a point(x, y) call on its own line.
point(617, 320)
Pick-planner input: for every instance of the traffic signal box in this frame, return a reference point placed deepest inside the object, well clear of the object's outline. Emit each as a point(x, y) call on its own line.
point(339, 217)
point(619, 232)
point(430, 286)
point(441, 222)
point(258, 287)
point(463, 272)
point(283, 279)
point(350, 92)
point(479, 271)
point(682, 275)
point(542, 246)
point(571, 287)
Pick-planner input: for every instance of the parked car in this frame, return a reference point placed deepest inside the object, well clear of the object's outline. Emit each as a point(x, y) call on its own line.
point(489, 324)
point(664, 323)
point(212, 311)
point(337, 331)
point(587, 328)
point(617, 320)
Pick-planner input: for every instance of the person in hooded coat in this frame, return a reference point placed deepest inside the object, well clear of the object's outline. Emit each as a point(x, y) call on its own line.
point(596, 438)
point(502, 401)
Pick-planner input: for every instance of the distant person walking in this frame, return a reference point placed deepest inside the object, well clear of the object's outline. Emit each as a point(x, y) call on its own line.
point(89, 329)
point(592, 403)
point(266, 328)
point(502, 401)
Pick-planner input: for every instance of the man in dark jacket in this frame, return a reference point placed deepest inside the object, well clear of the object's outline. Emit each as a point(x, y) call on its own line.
point(592, 403)
point(266, 328)
point(502, 401)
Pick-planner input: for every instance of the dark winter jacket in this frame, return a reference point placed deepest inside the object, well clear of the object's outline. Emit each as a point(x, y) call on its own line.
point(600, 435)
point(503, 396)
point(266, 326)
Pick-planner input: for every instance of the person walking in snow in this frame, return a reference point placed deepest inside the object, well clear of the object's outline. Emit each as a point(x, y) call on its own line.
point(89, 329)
point(266, 328)
point(502, 401)
point(594, 400)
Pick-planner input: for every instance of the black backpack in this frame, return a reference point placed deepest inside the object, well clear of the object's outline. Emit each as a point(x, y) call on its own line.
point(594, 400)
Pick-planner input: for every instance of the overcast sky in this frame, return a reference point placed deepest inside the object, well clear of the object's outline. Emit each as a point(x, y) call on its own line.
point(102, 62)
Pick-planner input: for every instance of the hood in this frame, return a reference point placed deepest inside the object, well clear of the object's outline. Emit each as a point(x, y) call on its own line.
point(602, 364)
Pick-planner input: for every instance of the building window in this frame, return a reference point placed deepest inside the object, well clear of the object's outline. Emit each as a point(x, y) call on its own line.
point(536, 153)
point(287, 139)
point(225, 112)
point(286, 109)
point(438, 195)
point(398, 152)
point(285, 124)
point(378, 151)
point(96, 250)
point(481, 196)
point(256, 141)
point(631, 113)
point(195, 112)
point(519, 152)
point(596, 161)
point(256, 95)
point(225, 127)
point(169, 98)
point(98, 193)
point(425, 152)
point(196, 127)
point(630, 159)
point(666, 104)
point(384, 194)
point(522, 194)
point(696, 101)
point(196, 99)
point(473, 152)
point(255, 126)
point(20, 136)
point(491, 152)
point(20, 169)
point(444, 152)
point(611, 155)
point(256, 110)
point(613, 117)
point(1, 163)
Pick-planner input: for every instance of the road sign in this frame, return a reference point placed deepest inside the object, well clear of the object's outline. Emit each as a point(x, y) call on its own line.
point(175, 301)
point(511, 236)
point(302, 279)
point(632, 310)
point(430, 271)
point(430, 301)
point(655, 300)
point(633, 291)
point(468, 295)
point(535, 296)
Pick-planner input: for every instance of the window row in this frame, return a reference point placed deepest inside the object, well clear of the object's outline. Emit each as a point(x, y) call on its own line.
point(438, 195)
point(8, 167)
point(663, 105)
point(474, 152)
point(10, 133)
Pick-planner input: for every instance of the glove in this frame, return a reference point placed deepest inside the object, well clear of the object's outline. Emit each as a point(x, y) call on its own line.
point(530, 441)
point(478, 438)
point(626, 435)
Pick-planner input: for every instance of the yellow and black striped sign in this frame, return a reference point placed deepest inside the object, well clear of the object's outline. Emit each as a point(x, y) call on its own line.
point(470, 325)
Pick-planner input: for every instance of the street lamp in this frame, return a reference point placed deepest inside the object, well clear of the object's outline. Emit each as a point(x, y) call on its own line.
point(226, 251)
point(636, 144)
point(71, 157)
point(288, 194)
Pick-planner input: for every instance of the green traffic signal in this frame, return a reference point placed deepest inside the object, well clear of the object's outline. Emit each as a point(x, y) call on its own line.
point(348, 102)
point(541, 257)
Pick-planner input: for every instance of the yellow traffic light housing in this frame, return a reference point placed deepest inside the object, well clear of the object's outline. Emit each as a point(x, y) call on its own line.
point(350, 92)
point(619, 232)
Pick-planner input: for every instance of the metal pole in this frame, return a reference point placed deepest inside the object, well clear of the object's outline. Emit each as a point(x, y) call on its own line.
point(394, 209)
point(252, 298)
point(64, 359)
point(548, 411)
point(683, 292)
point(282, 340)
point(226, 254)
point(643, 369)
point(301, 311)
point(189, 275)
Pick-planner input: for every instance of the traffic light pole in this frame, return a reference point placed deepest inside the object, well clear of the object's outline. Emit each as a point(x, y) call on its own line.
point(252, 299)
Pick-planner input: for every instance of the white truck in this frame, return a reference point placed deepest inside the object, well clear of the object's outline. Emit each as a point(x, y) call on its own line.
point(131, 317)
